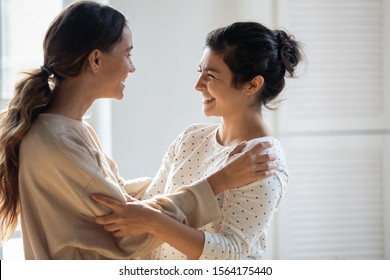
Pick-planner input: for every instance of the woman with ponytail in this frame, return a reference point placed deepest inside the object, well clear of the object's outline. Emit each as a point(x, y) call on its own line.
point(51, 160)
point(242, 70)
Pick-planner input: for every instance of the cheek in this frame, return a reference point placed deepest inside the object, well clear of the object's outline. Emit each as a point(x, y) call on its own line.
point(213, 87)
point(218, 89)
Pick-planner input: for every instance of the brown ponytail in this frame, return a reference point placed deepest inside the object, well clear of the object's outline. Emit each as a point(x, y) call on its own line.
point(78, 30)
point(31, 95)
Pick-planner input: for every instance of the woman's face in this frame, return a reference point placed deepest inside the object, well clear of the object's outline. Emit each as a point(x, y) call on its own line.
point(215, 83)
point(114, 66)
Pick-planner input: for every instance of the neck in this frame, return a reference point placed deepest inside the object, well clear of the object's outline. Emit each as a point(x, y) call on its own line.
point(71, 99)
point(244, 127)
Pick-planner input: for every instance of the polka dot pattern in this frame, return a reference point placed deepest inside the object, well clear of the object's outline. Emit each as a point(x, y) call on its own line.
point(246, 213)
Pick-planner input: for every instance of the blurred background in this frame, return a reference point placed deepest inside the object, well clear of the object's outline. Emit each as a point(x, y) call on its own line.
point(334, 122)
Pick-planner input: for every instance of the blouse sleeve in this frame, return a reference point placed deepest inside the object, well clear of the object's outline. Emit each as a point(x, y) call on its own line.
point(247, 213)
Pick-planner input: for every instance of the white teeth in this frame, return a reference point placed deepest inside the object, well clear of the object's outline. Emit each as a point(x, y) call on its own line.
point(208, 98)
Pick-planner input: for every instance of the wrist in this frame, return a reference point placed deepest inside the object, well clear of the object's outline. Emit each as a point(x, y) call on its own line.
point(153, 220)
point(217, 181)
point(159, 225)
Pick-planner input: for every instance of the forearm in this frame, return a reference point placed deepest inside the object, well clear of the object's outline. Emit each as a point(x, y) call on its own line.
point(185, 239)
point(218, 182)
point(247, 215)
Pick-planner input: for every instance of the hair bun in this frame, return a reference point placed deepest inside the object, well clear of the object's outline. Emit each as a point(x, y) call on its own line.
point(289, 50)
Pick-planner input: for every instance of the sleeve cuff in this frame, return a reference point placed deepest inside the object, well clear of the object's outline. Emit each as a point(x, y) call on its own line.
point(205, 208)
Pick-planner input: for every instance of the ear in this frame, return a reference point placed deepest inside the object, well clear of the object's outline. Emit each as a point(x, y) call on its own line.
point(94, 60)
point(255, 85)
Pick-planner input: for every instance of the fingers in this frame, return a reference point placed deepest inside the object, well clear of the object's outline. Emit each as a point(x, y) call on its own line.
point(104, 220)
point(119, 233)
point(237, 149)
point(110, 226)
point(260, 147)
point(265, 158)
point(265, 166)
point(106, 201)
point(129, 198)
point(263, 162)
point(264, 174)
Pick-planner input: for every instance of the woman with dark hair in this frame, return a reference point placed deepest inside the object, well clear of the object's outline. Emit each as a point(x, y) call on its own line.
point(51, 160)
point(242, 70)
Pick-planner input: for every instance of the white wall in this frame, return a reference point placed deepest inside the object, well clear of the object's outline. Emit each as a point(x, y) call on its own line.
point(160, 100)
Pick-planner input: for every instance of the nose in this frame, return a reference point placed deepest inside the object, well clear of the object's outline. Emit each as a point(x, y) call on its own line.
point(199, 86)
point(131, 67)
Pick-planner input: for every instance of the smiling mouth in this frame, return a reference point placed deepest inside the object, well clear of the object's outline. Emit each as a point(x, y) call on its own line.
point(207, 100)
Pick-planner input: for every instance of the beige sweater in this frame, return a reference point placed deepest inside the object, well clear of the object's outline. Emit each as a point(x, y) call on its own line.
point(61, 165)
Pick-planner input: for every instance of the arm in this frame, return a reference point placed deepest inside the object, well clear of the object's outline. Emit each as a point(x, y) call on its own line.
point(125, 221)
point(248, 212)
point(146, 218)
point(247, 215)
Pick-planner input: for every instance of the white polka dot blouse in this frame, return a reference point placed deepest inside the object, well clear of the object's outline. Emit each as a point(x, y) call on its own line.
point(246, 212)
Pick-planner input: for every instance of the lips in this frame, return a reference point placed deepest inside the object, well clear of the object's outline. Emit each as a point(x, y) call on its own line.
point(124, 81)
point(208, 99)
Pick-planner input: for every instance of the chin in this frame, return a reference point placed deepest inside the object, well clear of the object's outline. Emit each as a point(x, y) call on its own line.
point(207, 114)
point(119, 95)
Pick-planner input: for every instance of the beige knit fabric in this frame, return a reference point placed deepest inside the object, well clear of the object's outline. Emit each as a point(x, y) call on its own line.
point(61, 165)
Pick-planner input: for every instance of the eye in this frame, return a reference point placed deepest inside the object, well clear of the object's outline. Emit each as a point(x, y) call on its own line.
point(210, 76)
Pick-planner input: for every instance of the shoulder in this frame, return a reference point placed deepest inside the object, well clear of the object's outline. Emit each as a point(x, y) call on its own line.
point(199, 130)
point(199, 127)
point(60, 136)
point(276, 149)
point(58, 126)
point(193, 135)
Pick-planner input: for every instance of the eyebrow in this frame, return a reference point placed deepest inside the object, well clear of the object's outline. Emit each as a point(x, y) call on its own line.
point(129, 48)
point(210, 69)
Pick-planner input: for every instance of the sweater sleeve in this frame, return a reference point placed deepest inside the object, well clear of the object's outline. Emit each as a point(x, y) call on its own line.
point(196, 200)
point(186, 206)
point(194, 205)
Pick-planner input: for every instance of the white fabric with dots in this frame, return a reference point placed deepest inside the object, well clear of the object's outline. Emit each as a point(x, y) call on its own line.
point(246, 213)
